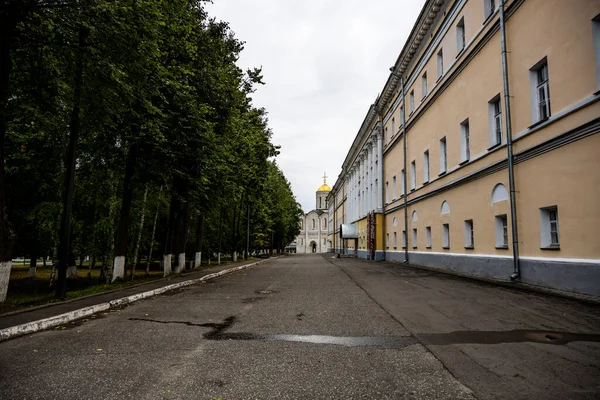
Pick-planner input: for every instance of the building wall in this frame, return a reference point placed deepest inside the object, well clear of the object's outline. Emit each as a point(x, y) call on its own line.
point(556, 162)
point(309, 235)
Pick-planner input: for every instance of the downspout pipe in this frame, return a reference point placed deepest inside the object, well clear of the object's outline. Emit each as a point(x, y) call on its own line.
point(509, 145)
point(405, 183)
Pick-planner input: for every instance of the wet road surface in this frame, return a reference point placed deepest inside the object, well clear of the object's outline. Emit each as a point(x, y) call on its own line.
point(318, 327)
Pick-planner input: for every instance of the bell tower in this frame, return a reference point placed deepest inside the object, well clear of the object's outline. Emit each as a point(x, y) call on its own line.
point(321, 195)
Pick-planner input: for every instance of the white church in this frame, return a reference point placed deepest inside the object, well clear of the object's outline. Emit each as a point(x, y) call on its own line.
point(313, 226)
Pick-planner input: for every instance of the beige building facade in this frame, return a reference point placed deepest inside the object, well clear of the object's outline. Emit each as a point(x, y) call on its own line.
point(490, 115)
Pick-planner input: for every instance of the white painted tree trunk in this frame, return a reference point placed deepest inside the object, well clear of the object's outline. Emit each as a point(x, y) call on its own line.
point(198, 260)
point(180, 263)
point(118, 268)
point(32, 272)
point(72, 272)
point(167, 264)
point(234, 256)
point(219, 259)
point(5, 267)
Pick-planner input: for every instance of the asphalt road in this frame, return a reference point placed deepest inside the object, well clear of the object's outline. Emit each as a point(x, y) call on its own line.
point(306, 327)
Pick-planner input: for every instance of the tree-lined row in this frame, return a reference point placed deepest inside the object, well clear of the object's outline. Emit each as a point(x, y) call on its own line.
point(127, 132)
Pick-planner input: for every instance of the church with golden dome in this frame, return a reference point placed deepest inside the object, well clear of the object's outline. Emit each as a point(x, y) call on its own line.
point(313, 226)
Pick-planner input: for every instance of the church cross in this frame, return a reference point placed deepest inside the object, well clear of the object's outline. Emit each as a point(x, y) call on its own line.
point(325, 177)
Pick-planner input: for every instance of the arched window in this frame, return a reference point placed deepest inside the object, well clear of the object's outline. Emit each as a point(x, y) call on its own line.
point(394, 221)
point(324, 224)
point(415, 217)
point(314, 224)
point(445, 208)
point(499, 193)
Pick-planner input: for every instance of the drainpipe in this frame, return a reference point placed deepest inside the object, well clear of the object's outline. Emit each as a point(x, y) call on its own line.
point(381, 174)
point(511, 176)
point(403, 122)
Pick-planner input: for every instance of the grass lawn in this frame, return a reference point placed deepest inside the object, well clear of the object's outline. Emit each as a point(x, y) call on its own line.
point(24, 292)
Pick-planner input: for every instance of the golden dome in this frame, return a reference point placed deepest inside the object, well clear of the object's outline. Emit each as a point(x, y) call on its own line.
point(324, 188)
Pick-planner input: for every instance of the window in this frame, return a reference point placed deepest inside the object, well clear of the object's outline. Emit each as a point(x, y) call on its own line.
point(440, 63)
point(402, 114)
point(495, 114)
point(412, 101)
point(596, 35)
point(395, 240)
point(501, 232)
point(393, 127)
point(465, 142)
point(413, 178)
point(414, 239)
point(443, 159)
point(550, 237)
point(540, 91)
point(320, 199)
point(387, 240)
point(403, 239)
point(426, 166)
point(314, 224)
point(424, 85)
point(428, 237)
point(402, 183)
point(460, 35)
point(394, 188)
point(489, 7)
point(386, 136)
point(387, 194)
point(324, 224)
point(446, 236)
point(469, 239)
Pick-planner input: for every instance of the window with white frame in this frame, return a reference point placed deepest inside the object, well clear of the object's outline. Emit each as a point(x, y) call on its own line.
point(403, 239)
point(489, 7)
point(440, 63)
point(428, 237)
point(414, 239)
point(401, 115)
point(394, 188)
point(465, 141)
point(540, 91)
point(596, 39)
point(549, 235)
point(495, 115)
point(426, 166)
point(446, 236)
point(443, 156)
point(460, 35)
point(469, 238)
point(413, 175)
point(501, 232)
point(393, 127)
point(395, 240)
point(411, 98)
point(387, 240)
point(424, 86)
point(387, 192)
point(403, 180)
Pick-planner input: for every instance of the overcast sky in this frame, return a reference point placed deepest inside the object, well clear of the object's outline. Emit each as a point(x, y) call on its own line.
point(324, 63)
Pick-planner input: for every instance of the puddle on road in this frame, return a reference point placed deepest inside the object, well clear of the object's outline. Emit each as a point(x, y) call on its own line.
point(385, 342)
point(394, 342)
point(498, 337)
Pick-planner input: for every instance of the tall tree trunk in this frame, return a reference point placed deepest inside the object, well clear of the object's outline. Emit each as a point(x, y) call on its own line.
point(69, 178)
point(220, 229)
point(199, 240)
point(32, 265)
point(139, 238)
point(153, 233)
point(167, 254)
point(121, 237)
point(183, 223)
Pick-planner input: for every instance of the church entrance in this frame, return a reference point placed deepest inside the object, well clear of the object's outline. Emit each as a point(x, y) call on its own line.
point(313, 247)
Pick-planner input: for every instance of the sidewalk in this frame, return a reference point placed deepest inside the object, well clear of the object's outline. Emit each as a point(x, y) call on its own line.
point(43, 317)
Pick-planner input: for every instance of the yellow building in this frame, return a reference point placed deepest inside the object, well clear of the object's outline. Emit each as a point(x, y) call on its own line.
point(493, 169)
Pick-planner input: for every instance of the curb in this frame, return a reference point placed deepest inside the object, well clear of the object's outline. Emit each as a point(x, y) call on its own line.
point(50, 322)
